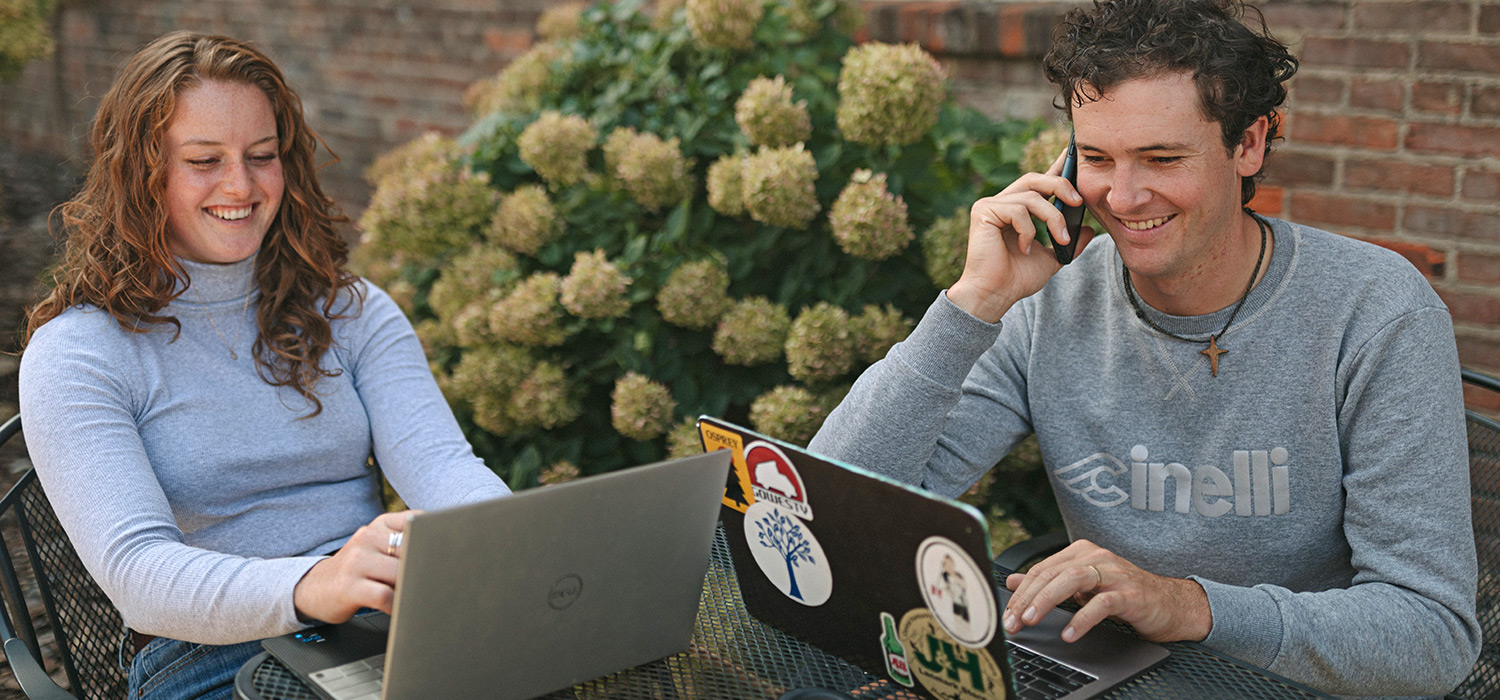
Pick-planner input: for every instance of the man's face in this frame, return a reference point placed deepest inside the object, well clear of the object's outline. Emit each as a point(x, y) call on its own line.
point(1155, 172)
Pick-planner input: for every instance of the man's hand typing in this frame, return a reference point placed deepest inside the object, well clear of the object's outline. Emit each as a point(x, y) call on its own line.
point(1162, 609)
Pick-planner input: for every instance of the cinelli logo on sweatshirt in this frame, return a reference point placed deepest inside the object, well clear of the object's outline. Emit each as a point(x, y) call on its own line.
point(1258, 483)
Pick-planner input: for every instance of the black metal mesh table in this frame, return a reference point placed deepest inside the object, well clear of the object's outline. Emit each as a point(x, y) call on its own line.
point(735, 656)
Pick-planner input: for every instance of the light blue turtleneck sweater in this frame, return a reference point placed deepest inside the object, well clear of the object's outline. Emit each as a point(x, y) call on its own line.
point(197, 494)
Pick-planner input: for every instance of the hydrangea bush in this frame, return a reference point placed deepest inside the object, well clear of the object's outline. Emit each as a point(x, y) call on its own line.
point(727, 208)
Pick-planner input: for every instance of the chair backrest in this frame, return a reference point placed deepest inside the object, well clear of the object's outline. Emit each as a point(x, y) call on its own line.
point(39, 568)
point(1484, 477)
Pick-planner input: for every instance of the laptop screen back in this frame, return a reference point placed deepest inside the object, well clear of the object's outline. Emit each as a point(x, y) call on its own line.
point(520, 596)
point(890, 578)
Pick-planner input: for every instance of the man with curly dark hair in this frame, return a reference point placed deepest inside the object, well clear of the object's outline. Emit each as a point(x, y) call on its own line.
point(1254, 429)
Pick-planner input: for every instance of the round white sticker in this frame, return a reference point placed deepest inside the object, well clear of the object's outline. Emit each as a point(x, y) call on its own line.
point(957, 592)
point(788, 554)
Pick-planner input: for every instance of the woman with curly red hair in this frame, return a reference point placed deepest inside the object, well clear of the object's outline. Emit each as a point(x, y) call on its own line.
point(218, 483)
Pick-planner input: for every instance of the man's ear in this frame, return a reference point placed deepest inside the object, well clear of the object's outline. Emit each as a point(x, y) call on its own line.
point(1250, 155)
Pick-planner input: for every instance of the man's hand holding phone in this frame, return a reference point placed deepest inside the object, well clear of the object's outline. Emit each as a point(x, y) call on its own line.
point(1004, 264)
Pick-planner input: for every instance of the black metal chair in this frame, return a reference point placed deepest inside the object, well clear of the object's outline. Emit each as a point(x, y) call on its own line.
point(1484, 479)
point(85, 627)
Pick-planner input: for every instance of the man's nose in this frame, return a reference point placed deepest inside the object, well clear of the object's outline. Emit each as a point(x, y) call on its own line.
point(1127, 191)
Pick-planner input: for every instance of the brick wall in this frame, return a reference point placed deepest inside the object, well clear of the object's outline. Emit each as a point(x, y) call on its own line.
point(1393, 127)
point(372, 73)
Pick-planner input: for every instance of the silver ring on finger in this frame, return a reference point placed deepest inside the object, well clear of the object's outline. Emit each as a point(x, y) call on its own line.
point(1098, 579)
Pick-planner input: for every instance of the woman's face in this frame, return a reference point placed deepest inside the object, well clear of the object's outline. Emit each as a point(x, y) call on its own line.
point(224, 180)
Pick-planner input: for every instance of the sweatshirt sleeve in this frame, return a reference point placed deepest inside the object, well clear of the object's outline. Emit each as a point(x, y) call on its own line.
point(79, 422)
point(417, 441)
point(1407, 625)
point(953, 428)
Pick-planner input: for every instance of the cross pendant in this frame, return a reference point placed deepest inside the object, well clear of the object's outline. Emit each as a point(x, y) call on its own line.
point(1213, 351)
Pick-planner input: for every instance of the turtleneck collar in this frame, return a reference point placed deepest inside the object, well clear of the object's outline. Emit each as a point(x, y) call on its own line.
point(218, 283)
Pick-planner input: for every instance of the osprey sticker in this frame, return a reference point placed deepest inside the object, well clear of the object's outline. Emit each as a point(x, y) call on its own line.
point(956, 591)
point(737, 494)
point(945, 668)
point(788, 554)
point(775, 480)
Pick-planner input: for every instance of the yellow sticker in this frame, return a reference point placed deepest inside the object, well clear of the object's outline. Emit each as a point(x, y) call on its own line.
point(737, 491)
point(945, 668)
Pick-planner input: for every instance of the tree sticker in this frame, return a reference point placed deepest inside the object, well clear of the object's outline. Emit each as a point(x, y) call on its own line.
point(788, 554)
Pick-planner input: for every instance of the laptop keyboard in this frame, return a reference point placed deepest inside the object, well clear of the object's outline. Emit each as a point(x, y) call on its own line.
point(356, 680)
point(1041, 678)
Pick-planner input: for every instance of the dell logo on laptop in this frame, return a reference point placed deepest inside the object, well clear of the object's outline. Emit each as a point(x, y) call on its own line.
point(565, 592)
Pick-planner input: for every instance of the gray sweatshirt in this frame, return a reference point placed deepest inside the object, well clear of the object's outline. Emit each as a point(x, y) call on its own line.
point(196, 493)
point(1318, 488)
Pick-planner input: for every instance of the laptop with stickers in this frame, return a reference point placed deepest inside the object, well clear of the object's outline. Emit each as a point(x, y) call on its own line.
point(523, 595)
point(895, 580)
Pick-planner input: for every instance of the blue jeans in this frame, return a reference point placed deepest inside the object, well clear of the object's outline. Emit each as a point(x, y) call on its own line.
point(168, 669)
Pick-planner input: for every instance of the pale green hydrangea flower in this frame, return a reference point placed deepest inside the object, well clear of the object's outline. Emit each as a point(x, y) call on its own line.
point(651, 170)
point(769, 117)
point(556, 146)
point(428, 212)
point(595, 287)
point(379, 267)
point(878, 328)
point(778, 185)
point(790, 413)
point(473, 275)
point(889, 94)
point(403, 293)
point(802, 16)
point(945, 246)
point(752, 332)
point(530, 315)
point(526, 220)
point(806, 16)
point(544, 399)
point(819, 346)
point(1041, 151)
point(725, 185)
point(695, 295)
point(471, 326)
point(682, 439)
point(559, 473)
point(640, 408)
point(435, 336)
point(724, 24)
point(485, 378)
point(520, 86)
point(427, 153)
point(663, 12)
point(560, 22)
point(868, 221)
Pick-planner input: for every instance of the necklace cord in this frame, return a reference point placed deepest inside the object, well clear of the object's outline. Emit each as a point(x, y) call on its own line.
point(1141, 313)
point(238, 327)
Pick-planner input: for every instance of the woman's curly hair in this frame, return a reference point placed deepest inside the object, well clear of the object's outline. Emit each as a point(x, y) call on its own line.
point(1240, 71)
point(117, 257)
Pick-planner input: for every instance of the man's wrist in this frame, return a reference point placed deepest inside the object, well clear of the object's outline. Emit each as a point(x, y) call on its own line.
point(1196, 619)
point(981, 304)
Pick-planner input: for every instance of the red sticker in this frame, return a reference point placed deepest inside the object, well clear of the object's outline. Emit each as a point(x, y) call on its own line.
point(774, 479)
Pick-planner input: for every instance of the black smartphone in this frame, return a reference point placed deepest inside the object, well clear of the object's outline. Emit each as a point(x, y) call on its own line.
point(1071, 214)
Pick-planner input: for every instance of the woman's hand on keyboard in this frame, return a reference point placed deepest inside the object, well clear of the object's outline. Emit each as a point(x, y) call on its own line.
point(362, 574)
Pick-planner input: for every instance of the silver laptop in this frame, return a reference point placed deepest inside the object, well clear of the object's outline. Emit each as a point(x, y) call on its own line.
point(527, 594)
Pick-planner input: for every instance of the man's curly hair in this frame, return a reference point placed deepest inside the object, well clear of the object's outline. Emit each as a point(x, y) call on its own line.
point(1240, 70)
